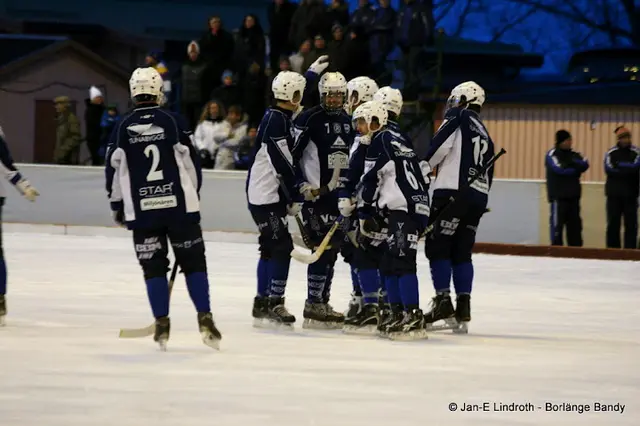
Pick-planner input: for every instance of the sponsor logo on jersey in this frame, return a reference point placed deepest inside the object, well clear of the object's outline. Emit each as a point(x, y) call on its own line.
point(159, 203)
point(156, 190)
point(336, 128)
point(347, 128)
point(145, 133)
point(339, 143)
point(338, 160)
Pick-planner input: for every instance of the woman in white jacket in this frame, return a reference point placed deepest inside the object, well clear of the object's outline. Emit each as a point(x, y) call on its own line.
point(205, 134)
point(229, 134)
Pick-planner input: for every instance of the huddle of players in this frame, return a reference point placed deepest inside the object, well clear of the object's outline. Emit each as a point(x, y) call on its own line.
point(381, 199)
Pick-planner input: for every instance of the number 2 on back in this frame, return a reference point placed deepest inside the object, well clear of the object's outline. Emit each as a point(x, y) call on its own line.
point(152, 151)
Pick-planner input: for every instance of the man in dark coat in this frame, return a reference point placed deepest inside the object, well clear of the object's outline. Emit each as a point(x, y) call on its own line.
point(216, 48)
point(280, 14)
point(193, 91)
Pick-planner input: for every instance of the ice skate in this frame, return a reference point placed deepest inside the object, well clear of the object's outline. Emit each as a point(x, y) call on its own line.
point(393, 315)
point(210, 334)
point(442, 314)
point(463, 313)
point(161, 335)
point(355, 306)
point(365, 322)
point(278, 315)
point(260, 311)
point(3, 310)
point(410, 328)
point(321, 316)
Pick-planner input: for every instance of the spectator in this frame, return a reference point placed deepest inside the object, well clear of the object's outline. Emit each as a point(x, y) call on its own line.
point(228, 134)
point(357, 57)
point(280, 15)
point(414, 32)
point(254, 85)
point(338, 13)
point(92, 116)
point(382, 42)
point(203, 138)
point(242, 157)
point(68, 136)
point(309, 19)
point(337, 49)
point(319, 49)
point(564, 167)
point(250, 46)
point(154, 60)
point(297, 60)
point(364, 16)
point(193, 94)
point(216, 48)
point(108, 122)
point(229, 93)
point(622, 165)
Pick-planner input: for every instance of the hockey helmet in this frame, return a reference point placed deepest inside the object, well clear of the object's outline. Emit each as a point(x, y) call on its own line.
point(146, 81)
point(360, 90)
point(369, 112)
point(288, 86)
point(391, 99)
point(465, 94)
point(332, 88)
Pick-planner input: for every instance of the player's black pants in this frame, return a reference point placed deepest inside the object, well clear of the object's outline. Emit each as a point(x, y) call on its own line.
point(274, 240)
point(565, 214)
point(625, 208)
point(454, 234)
point(402, 245)
point(152, 249)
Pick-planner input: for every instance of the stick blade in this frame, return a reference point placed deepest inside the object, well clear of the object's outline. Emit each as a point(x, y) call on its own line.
point(304, 257)
point(134, 333)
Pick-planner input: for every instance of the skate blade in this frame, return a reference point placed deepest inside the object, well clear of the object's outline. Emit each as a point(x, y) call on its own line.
point(162, 343)
point(310, 324)
point(267, 324)
point(210, 340)
point(408, 336)
point(3, 321)
point(463, 328)
point(449, 324)
point(367, 330)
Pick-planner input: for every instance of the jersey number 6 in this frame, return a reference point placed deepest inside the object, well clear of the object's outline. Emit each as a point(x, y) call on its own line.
point(152, 151)
point(410, 175)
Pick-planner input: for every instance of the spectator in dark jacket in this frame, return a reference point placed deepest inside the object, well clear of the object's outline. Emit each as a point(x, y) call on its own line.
point(357, 56)
point(414, 32)
point(228, 94)
point(280, 15)
point(250, 46)
point(364, 15)
point(382, 40)
point(193, 85)
point(216, 48)
point(92, 116)
point(309, 19)
point(338, 13)
point(110, 118)
point(254, 85)
point(564, 168)
point(337, 49)
point(622, 165)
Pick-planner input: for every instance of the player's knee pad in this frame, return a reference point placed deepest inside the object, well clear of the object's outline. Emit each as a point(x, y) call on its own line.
point(367, 258)
point(460, 256)
point(280, 249)
point(154, 267)
point(193, 262)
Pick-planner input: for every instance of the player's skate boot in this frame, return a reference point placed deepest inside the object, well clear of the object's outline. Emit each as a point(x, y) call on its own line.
point(260, 311)
point(365, 322)
point(442, 311)
point(393, 315)
point(321, 316)
point(355, 306)
point(3, 309)
point(463, 313)
point(410, 328)
point(210, 334)
point(161, 335)
point(279, 316)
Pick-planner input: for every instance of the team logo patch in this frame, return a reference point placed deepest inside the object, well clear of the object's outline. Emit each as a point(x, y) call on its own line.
point(347, 128)
point(336, 128)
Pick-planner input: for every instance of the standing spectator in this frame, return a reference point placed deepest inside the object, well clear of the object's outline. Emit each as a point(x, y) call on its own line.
point(92, 116)
point(364, 16)
point(338, 13)
point(357, 57)
point(254, 85)
point(382, 42)
point(564, 168)
point(229, 93)
point(297, 60)
point(414, 32)
point(309, 19)
point(154, 60)
point(216, 48)
point(229, 133)
point(250, 46)
point(203, 137)
point(337, 49)
point(622, 165)
point(242, 157)
point(68, 136)
point(193, 94)
point(108, 122)
point(319, 49)
point(280, 15)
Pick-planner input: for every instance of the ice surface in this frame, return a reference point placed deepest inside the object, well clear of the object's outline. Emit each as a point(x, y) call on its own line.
point(544, 330)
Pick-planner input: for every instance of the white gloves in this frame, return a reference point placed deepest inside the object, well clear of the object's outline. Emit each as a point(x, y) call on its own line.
point(294, 209)
point(319, 65)
point(346, 206)
point(28, 191)
point(363, 139)
point(425, 168)
point(306, 190)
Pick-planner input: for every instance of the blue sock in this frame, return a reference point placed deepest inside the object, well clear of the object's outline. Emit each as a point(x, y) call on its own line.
point(463, 277)
point(383, 287)
point(369, 285)
point(158, 294)
point(198, 286)
point(409, 291)
point(278, 275)
point(326, 293)
point(355, 281)
point(3, 275)
point(317, 277)
point(441, 275)
point(393, 290)
point(263, 277)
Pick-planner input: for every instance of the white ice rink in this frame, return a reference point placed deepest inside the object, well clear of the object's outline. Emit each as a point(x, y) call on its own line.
point(544, 330)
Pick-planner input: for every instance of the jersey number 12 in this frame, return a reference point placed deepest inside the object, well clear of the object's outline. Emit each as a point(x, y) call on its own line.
point(155, 173)
point(480, 147)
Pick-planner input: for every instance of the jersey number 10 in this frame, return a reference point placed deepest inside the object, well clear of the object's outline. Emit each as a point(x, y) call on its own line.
point(155, 173)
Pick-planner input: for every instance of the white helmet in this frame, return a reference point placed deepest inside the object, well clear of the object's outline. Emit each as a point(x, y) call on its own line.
point(467, 93)
point(360, 90)
point(146, 81)
point(332, 82)
point(391, 99)
point(286, 85)
point(370, 110)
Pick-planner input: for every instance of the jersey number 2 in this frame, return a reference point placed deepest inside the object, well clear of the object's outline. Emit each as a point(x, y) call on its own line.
point(480, 147)
point(152, 151)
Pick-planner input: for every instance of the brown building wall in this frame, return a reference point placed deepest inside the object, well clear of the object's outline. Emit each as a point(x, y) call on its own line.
point(527, 132)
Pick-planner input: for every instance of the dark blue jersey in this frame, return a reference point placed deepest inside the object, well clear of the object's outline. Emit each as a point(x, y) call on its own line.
point(460, 148)
point(272, 160)
point(392, 125)
point(393, 173)
point(6, 161)
point(357, 155)
point(152, 170)
point(322, 145)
